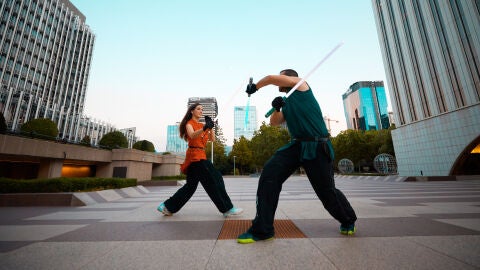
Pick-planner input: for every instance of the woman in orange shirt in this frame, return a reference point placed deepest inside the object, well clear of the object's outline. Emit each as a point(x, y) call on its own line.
point(198, 168)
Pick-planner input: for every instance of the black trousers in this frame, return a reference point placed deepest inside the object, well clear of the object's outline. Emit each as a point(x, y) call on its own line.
point(320, 174)
point(211, 180)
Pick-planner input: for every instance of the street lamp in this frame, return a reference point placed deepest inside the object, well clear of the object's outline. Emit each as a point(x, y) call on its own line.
point(234, 165)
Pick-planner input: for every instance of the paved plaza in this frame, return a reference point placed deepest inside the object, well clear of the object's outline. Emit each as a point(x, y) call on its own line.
point(401, 225)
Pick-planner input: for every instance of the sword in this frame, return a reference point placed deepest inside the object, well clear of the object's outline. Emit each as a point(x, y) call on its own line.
point(306, 77)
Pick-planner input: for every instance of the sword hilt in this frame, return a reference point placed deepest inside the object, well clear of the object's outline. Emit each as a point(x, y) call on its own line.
point(250, 82)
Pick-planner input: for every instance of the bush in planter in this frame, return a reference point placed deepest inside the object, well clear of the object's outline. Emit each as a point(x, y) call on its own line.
point(113, 140)
point(86, 141)
point(144, 145)
point(41, 128)
point(63, 184)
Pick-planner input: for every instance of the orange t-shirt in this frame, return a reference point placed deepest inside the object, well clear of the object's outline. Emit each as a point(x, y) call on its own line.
point(196, 147)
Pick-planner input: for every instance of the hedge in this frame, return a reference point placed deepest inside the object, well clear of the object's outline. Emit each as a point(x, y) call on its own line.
point(63, 184)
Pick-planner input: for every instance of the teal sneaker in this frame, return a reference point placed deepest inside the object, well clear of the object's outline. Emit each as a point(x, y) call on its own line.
point(232, 212)
point(163, 209)
point(248, 238)
point(348, 229)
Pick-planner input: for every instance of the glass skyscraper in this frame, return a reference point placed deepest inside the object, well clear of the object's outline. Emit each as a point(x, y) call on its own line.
point(244, 121)
point(431, 54)
point(175, 144)
point(365, 105)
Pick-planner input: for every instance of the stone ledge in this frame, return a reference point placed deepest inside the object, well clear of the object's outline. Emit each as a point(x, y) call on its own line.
point(69, 198)
point(39, 199)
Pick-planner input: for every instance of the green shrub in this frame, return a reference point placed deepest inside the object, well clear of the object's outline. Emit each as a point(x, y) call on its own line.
point(63, 184)
point(113, 140)
point(172, 177)
point(41, 128)
point(86, 141)
point(144, 145)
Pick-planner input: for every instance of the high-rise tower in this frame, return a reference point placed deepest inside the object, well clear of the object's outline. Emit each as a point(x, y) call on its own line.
point(244, 121)
point(45, 56)
point(431, 54)
point(365, 105)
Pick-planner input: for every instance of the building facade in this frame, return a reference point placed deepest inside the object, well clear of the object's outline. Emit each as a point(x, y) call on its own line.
point(366, 107)
point(175, 144)
point(431, 54)
point(45, 56)
point(209, 104)
point(244, 121)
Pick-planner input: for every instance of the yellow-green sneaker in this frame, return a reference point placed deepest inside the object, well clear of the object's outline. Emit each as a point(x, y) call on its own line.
point(248, 238)
point(348, 229)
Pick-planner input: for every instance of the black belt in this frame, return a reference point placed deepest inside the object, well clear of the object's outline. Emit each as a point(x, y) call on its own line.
point(312, 139)
point(196, 147)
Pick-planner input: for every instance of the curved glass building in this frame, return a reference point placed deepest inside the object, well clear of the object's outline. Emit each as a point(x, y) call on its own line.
point(365, 104)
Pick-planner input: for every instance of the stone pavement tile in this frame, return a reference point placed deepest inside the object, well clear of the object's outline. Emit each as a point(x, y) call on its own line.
point(51, 256)
point(34, 232)
point(138, 231)
point(75, 215)
point(381, 227)
point(470, 223)
point(112, 205)
point(7, 246)
point(464, 248)
point(12, 215)
point(274, 254)
point(384, 253)
point(155, 255)
point(192, 211)
point(309, 209)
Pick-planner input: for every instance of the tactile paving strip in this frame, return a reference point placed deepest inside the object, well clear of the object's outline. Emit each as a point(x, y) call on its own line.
point(284, 228)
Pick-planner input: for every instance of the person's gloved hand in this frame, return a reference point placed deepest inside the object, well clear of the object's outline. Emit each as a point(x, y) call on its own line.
point(278, 103)
point(209, 124)
point(251, 88)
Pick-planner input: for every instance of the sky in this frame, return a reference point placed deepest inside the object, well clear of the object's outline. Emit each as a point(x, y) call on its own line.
point(150, 56)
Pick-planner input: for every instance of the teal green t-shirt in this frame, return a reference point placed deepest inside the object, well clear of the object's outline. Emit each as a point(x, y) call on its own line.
point(304, 119)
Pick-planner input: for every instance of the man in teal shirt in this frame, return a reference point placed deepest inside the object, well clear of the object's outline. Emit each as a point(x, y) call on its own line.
point(309, 147)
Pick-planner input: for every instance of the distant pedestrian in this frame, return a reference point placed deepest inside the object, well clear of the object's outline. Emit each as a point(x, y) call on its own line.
point(198, 168)
point(310, 147)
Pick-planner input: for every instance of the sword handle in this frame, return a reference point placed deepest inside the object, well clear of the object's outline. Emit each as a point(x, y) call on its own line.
point(269, 112)
point(272, 109)
point(250, 82)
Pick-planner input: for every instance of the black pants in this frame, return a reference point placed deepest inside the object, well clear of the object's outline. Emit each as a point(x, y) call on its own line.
point(320, 174)
point(211, 180)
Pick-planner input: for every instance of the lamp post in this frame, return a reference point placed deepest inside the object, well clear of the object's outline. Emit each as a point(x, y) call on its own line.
point(234, 165)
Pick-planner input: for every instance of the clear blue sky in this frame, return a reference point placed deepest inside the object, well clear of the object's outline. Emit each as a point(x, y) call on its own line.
point(150, 56)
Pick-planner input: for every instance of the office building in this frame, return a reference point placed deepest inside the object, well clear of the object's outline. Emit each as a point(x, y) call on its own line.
point(244, 121)
point(431, 54)
point(45, 56)
point(175, 144)
point(209, 104)
point(365, 105)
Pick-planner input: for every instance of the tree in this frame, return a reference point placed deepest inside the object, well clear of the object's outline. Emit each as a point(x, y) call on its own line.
point(244, 160)
point(144, 145)
point(266, 141)
point(113, 140)
point(42, 128)
point(361, 147)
